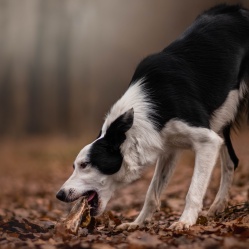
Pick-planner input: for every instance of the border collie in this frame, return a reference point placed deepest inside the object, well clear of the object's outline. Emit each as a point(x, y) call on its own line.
point(188, 96)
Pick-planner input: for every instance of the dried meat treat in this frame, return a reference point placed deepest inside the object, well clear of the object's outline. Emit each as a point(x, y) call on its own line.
point(78, 216)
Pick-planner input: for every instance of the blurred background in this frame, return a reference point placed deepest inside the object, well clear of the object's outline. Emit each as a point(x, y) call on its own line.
point(64, 63)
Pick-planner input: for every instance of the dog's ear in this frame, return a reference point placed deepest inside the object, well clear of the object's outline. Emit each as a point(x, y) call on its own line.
point(115, 134)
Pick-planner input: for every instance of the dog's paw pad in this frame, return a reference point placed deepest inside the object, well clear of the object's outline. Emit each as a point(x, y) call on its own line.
point(127, 226)
point(180, 225)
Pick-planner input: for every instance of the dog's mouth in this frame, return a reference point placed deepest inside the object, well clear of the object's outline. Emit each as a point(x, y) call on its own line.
point(93, 201)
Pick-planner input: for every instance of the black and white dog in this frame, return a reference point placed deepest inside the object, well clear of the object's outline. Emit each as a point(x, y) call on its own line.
point(187, 96)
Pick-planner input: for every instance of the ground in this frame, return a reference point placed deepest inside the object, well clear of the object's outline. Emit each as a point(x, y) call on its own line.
point(33, 169)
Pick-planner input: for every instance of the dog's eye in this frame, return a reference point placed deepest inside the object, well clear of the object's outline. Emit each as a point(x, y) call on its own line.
point(73, 166)
point(83, 165)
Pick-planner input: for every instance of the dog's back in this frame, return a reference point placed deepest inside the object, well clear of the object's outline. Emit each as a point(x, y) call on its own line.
point(192, 77)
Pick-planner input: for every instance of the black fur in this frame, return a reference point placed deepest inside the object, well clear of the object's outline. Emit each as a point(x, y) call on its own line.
point(198, 70)
point(226, 134)
point(192, 77)
point(105, 152)
point(188, 80)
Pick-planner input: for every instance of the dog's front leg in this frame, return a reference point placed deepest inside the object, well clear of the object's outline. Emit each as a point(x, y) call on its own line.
point(207, 148)
point(164, 169)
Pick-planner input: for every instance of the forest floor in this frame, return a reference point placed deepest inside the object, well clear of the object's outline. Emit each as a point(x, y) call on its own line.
point(33, 170)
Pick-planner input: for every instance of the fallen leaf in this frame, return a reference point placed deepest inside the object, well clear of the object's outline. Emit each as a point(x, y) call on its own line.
point(102, 246)
point(232, 243)
point(142, 240)
point(202, 220)
point(114, 219)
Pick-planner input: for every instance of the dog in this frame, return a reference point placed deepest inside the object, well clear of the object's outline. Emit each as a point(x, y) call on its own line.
point(188, 96)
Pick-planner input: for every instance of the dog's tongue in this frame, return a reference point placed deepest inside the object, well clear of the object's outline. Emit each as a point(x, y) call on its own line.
point(91, 196)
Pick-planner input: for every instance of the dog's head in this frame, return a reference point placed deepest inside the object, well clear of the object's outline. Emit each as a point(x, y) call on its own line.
point(97, 168)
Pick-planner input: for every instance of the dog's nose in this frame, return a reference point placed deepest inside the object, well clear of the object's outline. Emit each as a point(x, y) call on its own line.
point(61, 195)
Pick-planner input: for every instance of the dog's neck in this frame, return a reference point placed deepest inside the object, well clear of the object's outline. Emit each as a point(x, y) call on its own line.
point(143, 142)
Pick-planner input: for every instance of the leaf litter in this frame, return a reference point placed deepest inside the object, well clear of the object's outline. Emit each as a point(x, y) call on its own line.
point(31, 217)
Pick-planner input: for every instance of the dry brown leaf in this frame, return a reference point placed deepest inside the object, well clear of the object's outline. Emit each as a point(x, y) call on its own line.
point(114, 219)
point(202, 220)
point(142, 240)
point(241, 229)
point(232, 243)
point(28, 216)
point(102, 246)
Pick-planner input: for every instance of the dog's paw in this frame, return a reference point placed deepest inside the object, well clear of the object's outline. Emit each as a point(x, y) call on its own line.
point(180, 225)
point(128, 226)
point(216, 209)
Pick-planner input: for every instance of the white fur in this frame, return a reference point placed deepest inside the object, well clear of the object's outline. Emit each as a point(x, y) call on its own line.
point(164, 169)
point(225, 114)
point(228, 110)
point(206, 145)
point(141, 148)
point(179, 135)
point(89, 178)
point(227, 170)
point(144, 145)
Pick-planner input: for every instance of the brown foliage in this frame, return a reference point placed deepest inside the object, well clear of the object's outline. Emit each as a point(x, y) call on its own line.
point(29, 212)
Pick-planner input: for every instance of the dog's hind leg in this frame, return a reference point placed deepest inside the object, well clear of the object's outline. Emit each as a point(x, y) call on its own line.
point(229, 162)
point(227, 170)
point(164, 169)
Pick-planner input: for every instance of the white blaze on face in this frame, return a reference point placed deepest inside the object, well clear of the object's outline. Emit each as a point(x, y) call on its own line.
point(88, 179)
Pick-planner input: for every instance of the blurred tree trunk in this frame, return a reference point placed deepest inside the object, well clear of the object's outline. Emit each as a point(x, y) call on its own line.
point(64, 63)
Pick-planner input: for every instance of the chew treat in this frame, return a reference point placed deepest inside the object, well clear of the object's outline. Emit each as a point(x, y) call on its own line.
point(78, 216)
